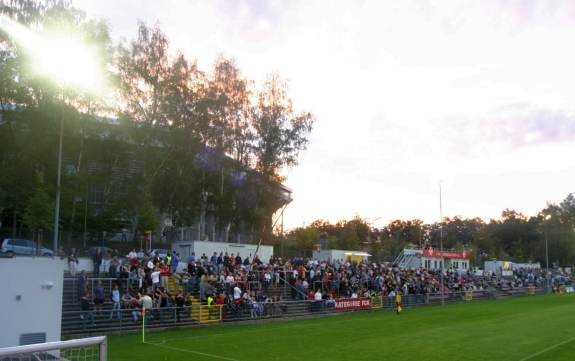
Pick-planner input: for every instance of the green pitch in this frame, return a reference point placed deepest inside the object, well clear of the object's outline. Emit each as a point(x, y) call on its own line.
point(521, 328)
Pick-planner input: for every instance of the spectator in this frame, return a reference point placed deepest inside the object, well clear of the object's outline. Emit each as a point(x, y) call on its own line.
point(180, 302)
point(98, 296)
point(135, 307)
point(237, 293)
point(97, 261)
point(155, 275)
point(115, 297)
point(165, 275)
point(127, 300)
point(113, 268)
point(147, 305)
point(175, 262)
point(72, 262)
point(82, 283)
point(87, 315)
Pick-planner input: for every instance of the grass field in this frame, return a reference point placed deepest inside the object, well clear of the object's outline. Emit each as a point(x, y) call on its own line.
point(520, 328)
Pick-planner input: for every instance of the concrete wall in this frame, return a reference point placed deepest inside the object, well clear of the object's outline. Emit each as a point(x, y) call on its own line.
point(185, 249)
point(31, 298)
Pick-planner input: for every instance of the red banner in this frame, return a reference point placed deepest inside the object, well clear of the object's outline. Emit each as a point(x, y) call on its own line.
point(433, 253)
point(343, 304)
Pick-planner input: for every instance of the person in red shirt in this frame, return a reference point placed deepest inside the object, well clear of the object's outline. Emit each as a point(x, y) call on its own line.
point(220, 300)
point(310, 295)
point(164, 274)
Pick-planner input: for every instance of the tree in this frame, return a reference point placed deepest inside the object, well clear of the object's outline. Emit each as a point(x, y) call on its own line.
point(170, 114)
point(147, 217)
point(144, 70)
point(280, 132)
point(305, 238)
point(39, 212)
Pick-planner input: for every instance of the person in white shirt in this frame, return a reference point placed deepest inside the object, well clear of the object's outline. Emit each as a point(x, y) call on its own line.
point(147, 304)
point(156, 279)
point(132, 254)
point(237, 293)
point(150, 264)
point(268, 279)
point(115, 303)
point(318, 295)
point(230, 280)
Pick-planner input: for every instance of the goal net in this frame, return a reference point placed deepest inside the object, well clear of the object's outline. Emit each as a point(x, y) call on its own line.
point(85, 349)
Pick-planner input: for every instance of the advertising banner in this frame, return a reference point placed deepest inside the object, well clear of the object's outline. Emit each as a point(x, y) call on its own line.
point(343, 304)
point(433, 253)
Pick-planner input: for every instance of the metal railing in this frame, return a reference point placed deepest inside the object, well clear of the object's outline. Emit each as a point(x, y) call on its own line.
point(129, 320)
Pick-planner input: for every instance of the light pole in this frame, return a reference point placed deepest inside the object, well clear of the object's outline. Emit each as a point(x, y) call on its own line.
point(547, 217)
point(441, 243)
point(59, 180)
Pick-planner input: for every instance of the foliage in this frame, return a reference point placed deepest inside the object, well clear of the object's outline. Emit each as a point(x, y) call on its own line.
point(193, 140)
point(280, 133)
point(39, 211)
point(514, 237)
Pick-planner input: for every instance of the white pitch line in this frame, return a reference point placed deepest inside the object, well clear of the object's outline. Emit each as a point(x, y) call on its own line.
point(194, 352)
point(547, 349)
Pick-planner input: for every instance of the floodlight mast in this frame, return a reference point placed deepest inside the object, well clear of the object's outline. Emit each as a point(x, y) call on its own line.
point(59, 179)
point(545, 219)
point(441, 243)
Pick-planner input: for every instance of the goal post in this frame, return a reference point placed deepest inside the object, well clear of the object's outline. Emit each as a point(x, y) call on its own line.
point(84, 349)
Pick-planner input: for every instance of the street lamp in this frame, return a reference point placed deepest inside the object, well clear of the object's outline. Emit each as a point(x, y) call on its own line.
point(441, 242)
point(547, 217)
point(67, 61)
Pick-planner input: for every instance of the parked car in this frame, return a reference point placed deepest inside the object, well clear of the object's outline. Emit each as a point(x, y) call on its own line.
point(12, 246)
point(162, 253)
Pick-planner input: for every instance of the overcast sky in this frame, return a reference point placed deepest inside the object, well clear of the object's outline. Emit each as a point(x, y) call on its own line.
point(476, 94)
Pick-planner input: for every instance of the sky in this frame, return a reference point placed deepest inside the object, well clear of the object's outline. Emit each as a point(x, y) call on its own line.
point(478, 96)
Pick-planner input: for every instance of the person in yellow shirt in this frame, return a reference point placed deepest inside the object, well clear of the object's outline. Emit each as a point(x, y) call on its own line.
point(398, 302)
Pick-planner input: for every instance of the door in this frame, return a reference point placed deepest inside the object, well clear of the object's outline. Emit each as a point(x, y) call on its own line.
point(20, 246)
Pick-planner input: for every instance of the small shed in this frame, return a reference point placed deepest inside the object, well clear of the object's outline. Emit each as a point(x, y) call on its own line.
point(339, 254)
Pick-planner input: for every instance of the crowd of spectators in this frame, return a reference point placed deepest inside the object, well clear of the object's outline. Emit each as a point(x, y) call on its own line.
point(244, 284)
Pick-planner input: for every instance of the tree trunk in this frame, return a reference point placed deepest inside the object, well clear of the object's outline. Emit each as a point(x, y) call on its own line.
point(14, 223)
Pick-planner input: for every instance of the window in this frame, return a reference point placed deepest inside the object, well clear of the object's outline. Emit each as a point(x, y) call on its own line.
point(32, 338)
point(19, 242)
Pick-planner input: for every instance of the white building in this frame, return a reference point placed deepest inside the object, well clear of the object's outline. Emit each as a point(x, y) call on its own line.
point(339, 254)
point(506, 268)
point(185, 249)
point(31, 300)
point(433, 259)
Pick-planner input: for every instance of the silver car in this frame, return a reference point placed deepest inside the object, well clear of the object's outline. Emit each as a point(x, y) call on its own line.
point(12, 246)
